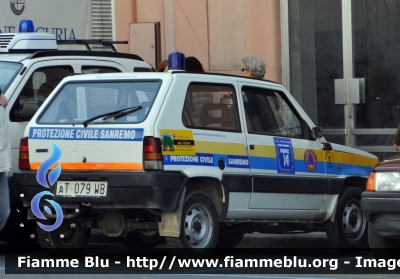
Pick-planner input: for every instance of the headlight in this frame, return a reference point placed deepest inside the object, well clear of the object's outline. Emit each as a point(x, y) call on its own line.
point(387, 181)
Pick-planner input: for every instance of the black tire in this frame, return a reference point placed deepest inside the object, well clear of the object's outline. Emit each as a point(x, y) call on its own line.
point(349, 228)
point(229, 240)
point(382, 247)
point(141, 239)
point(72, 243)
point(14, 233)
point(199, 223)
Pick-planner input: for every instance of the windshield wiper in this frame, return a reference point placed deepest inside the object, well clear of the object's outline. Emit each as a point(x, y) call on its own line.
point(114, 114)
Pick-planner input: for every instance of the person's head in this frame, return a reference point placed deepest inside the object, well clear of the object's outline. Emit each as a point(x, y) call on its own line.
point(192, 64)
point(161, 67)
point(254, 67)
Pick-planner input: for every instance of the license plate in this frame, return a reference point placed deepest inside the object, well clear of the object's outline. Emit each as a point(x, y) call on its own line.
point(82, 188)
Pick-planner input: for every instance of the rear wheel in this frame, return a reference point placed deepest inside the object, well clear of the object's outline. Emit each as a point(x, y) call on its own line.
point(141, 239)
point(349, 227)
point(68, 240)
point(199, 223)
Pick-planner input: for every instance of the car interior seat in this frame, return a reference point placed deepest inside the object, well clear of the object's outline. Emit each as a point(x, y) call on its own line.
point(209, 118)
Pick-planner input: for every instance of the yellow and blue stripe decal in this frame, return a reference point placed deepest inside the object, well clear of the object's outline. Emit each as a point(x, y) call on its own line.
point(338, 168)
point(265, 158)
point(265, 163)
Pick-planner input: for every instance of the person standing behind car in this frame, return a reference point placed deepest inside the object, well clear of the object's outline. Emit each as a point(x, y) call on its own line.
point(162, 66)
point(254, 67)
point(5, 163)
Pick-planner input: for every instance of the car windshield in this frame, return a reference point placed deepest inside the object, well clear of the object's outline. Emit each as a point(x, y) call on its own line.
point(8, 70)
point(77, 102)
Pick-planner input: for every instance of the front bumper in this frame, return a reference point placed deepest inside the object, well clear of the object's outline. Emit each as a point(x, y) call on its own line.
point(126, 190)
point(382, 209)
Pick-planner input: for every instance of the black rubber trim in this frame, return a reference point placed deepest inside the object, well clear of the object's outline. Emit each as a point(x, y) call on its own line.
point(237, 183)
point(150, 190)
point(291, 185)
point(334, 185)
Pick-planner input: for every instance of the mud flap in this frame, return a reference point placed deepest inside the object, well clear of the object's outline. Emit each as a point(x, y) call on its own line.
point(170, 224)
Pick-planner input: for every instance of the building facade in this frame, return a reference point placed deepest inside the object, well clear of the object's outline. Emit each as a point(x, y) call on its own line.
point(337, 57)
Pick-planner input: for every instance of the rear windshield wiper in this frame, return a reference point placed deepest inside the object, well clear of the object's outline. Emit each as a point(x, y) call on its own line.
point(114, 114)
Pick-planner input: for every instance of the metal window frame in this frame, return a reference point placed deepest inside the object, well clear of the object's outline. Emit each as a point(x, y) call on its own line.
point(349, 130)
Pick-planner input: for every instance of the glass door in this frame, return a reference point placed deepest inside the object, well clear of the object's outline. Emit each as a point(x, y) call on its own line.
point(340, 62)
point(315, 60)
point(376, 57)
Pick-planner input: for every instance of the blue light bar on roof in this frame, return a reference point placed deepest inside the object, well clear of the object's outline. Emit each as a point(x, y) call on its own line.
point(176, 61)
point(26, 25)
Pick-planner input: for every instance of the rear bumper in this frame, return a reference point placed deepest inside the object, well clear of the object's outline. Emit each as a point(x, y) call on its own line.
point(383, 211)
point(126, 190)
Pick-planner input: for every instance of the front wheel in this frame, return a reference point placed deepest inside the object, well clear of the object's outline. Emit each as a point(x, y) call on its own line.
point(349, 227)
point(199, 223)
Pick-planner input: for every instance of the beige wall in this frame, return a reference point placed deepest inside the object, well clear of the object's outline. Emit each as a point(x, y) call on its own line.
point(219, 32)
point(124, 14)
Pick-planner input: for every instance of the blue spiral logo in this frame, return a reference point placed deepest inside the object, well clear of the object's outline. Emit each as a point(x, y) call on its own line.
point(41, 177)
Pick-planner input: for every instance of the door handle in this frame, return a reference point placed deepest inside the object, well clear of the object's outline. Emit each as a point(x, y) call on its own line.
point(251, 146)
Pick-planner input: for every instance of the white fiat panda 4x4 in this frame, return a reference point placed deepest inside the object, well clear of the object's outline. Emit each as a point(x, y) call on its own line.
point(198, 158)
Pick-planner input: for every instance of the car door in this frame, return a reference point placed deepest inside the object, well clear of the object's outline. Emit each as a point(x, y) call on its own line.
point(286, 163)
point(210, 116)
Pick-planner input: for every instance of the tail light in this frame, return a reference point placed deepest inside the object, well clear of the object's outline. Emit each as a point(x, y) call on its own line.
point(152, 155)
point(370, 183)
point(23, 162)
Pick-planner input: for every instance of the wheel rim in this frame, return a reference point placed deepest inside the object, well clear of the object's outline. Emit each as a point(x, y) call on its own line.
point(198, 226)
point(354, 222)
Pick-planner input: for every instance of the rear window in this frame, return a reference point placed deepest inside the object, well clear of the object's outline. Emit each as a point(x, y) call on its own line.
point(77, 102)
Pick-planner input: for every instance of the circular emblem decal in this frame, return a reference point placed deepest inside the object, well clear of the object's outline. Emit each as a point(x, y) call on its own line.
point(17, 6)
point(310, 159)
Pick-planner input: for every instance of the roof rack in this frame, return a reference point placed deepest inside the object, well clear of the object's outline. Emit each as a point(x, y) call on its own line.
point(48, 53)
point(87, 42)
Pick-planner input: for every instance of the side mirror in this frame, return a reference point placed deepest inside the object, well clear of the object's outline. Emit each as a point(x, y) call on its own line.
point(317, 132)
point(28, 110)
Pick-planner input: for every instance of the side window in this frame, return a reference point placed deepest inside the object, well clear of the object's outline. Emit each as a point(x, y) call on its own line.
point(268, 112)
point(98, 70)
point(211, 106)
point(39, 86)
